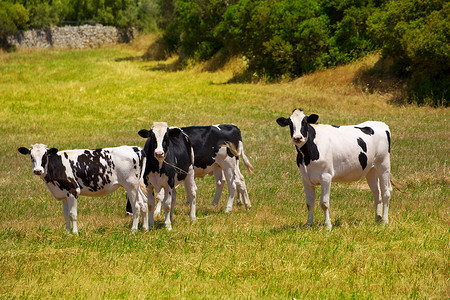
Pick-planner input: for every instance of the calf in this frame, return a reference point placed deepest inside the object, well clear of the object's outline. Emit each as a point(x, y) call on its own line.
point(95, 173)
point(217, 150)
point(328, 153)
point(170, 160)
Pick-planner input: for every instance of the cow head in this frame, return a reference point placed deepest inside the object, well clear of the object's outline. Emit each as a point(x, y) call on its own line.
point(298, 123)
point(158, 137)
point(39, 157)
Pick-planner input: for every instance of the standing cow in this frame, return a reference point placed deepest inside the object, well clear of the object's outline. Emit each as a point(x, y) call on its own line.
point(328, 153)
point(95, 173)
point(217, 150)
point(170, 161)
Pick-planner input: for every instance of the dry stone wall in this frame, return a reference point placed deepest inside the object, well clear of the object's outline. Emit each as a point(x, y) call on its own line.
point(76, 37)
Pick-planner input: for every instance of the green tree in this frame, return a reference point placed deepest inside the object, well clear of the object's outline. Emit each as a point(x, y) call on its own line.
point(13, 18)
point(416, 35)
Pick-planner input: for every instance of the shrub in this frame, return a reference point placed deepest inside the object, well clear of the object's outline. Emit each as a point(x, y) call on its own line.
point(13, 18)
point(416, 34)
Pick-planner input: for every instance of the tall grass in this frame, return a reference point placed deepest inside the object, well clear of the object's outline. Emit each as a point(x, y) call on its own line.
point(98, 98)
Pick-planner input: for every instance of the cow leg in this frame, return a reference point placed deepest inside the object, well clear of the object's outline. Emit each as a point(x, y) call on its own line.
point(143, 205)
point(65, 206)
point(173, 201)
point(229, 175)
point(385, 186)
point(72, 207)
point(241, 188)
point(151, 206)
point(159, 197)
point(220, 183)
point(135, 207)
point(191, 192)
point(167, 207)
point(372, 180)
point(310, 194)
point(325, 185)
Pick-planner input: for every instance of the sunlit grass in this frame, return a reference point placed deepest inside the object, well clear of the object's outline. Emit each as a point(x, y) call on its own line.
point(98, 98)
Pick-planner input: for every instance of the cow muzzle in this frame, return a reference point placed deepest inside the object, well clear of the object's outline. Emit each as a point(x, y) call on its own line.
point(298, 139)
point(159, 155)
point(37, 172)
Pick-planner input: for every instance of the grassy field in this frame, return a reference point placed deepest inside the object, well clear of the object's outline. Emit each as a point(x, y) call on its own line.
point(99, 98)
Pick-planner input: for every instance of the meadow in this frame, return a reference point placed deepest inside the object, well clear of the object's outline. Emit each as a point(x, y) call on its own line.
point(103, 97)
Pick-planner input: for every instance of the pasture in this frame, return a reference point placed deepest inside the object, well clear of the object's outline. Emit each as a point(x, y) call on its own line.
point(101, 98)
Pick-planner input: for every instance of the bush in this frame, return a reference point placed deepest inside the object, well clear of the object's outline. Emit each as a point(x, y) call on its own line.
point(13, 18)
point(416, 34)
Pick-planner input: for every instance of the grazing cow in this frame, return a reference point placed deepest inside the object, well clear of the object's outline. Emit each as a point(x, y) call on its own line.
point(217, 150)
point(328, 153)
point(170, 160)
point(95, 173)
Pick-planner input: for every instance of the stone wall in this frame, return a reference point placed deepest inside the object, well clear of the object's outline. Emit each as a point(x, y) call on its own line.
point(76, 37)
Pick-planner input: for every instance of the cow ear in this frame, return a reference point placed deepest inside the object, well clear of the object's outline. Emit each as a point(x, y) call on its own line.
point(312, 119)
point(144, 133)
point(24, 150)
point(174, 132)
point(283, 121)
point(52, 151)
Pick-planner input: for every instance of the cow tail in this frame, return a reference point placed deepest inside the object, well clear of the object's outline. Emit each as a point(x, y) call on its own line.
point(239, 153)
point(142, 186)
point(395, 185)
point(247, 163)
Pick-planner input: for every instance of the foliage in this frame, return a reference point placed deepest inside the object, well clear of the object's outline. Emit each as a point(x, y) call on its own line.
point(416, 34)
point(140, 14)
point(279, 38)
point(290, 38)
point(13, 18)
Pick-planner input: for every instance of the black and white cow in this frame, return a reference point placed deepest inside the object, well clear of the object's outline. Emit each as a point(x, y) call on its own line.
point(217, 150)
point(327, 153)
point(170, 161)
point(95, 173)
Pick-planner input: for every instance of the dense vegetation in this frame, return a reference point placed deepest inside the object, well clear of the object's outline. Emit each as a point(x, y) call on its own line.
point(282, 38)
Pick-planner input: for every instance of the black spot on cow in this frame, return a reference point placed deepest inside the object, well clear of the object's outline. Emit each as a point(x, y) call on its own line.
point(308, 152)
point(336, 126)
point(91, 171)
point(44, 161)
point(362, 144)
point(363, 160)
point(367, 130)
point(389, 140)
point(65, 155)
point(134, 164)
point(56, 174)
point(207, 140)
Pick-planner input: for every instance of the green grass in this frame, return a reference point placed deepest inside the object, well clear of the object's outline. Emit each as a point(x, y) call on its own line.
point(94, 98)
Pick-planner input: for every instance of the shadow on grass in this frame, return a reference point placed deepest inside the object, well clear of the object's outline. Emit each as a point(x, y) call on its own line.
point(382, 78)
point(302, 227)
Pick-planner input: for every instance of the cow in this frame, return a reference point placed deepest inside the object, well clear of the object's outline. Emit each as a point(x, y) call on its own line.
point(327, 153)
point(69, 174)
point(170, 161)
point(217, 150)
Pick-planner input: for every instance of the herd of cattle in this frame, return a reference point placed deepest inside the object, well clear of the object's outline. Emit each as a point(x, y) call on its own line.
point(173, 155)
